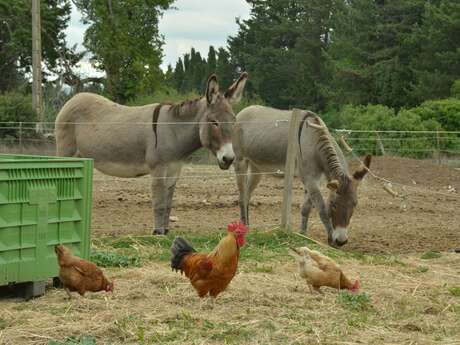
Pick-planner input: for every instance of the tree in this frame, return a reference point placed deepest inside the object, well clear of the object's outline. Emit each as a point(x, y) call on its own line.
point(212, 61)
point(125, 42)
point(16, 39)
point(372, 48)
point(179, 75)
point(282, 46)
point(224, 68)
point(437, 65)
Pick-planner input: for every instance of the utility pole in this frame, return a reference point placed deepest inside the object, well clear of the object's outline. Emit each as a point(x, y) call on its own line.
point(37, 98)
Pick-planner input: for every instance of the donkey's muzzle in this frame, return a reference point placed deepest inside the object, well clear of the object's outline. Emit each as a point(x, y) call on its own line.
point(225, 163)
point(339, 237)
point(225, 156)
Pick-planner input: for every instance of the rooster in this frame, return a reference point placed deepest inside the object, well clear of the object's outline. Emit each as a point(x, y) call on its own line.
point(80, 275)
point(210, 273)
point(319, 270)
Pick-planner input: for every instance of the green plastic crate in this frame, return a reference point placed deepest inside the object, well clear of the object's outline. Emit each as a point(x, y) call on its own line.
point(43, 201)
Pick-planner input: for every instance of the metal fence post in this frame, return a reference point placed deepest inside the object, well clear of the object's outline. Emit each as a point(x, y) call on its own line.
point(289, 170)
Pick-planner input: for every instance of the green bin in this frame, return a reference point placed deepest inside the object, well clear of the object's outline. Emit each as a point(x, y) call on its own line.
point(43, 201)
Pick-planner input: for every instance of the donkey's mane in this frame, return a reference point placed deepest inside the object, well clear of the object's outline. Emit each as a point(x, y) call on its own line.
point(185, 108)
point(182, 109)
point(328, 150)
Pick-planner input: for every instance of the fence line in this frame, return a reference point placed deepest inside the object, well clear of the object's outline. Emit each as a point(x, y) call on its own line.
point(20, 125)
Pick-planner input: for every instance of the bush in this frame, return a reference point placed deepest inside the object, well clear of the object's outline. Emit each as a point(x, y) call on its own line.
point(446, 112)
point(374, 118)
point(14, 108)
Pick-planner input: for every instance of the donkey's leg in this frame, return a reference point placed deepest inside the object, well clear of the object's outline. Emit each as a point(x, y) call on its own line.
point(159, 198)
point(241, 169)
point(253, 179)
point(305, 212)
point(318, 202)
point(173, 174)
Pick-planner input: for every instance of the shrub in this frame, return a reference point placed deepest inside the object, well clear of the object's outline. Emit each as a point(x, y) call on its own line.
point(374, 118)
point(14, 108)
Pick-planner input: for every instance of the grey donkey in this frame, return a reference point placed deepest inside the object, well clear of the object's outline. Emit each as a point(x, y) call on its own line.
point(260, 142)
point(152, 139)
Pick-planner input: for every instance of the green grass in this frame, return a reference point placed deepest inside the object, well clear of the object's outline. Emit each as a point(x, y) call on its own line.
point(354, 301)
point(454, 291)
point(421, 269)
point(85, 340)
point(431, 254)
point(260, 246)
point(113, 259)
point(3, 323)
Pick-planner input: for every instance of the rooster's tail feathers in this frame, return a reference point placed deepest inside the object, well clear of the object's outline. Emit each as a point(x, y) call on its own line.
point(180, 249)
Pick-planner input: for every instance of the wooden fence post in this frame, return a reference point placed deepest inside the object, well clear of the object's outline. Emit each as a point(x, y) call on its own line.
point(379, 143)
point(291, 154)
point(438, 147)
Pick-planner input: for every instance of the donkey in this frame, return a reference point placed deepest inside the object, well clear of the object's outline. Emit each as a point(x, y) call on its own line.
point(151, 139)
point(260, 142)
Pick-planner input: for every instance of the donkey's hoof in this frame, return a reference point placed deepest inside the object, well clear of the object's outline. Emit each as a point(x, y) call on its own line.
point(160, 232)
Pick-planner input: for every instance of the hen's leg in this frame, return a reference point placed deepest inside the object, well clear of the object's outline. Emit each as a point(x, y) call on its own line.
point(68, 292)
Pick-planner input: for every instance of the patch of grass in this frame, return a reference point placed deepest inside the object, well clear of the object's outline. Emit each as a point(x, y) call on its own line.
point(454, 291)
point(354, 301)
point(257, 268)
point(3, 323)
point(431, 254)
point(421, 269)
point(111, 259)
point(85, 340)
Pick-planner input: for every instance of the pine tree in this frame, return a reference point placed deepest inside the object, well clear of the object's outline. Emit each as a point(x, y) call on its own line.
point(437, 65)
point(212, 61)
point(372, 47)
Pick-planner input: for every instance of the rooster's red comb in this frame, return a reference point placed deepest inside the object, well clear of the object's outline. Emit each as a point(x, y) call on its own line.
point(237, 226)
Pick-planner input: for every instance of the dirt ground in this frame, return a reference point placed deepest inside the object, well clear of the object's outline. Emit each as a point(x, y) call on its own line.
point(425, 218)
point(407, 297)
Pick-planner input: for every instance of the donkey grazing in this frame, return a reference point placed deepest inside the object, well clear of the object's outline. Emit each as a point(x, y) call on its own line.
point(152, 139)
point(260, 142)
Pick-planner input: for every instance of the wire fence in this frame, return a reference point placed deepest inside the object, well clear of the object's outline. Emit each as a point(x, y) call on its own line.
point(439, 145)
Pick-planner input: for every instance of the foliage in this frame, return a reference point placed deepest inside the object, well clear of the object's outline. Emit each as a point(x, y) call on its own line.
point(371, 119)
point(282, 47)
point(124, 39)
point(16, 39)
point(16, 107)
point(371, 52)
point(455, 89)
point(192, 70)
point(111, 259)
point(436, 60)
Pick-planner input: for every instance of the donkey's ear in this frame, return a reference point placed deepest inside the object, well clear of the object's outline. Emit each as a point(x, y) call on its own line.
point(359, 174)
point(235, 92)
point(212, 89)
point(333, 185)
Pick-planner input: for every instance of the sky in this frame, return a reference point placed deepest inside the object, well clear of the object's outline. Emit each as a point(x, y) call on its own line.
point(193, 23)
